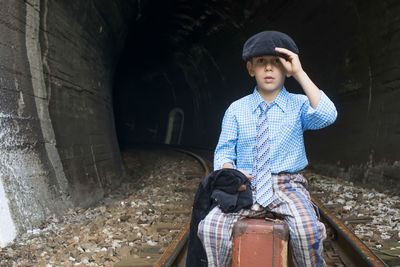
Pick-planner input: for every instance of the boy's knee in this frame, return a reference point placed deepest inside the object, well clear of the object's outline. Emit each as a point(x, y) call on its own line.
point(313, 230)
point(321, 231)
point(200, 230)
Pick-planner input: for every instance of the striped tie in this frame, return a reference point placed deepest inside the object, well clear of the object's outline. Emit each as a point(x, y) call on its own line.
point(264, 193)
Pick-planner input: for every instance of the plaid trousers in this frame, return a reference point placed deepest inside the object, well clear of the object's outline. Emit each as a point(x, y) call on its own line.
point(293, 202)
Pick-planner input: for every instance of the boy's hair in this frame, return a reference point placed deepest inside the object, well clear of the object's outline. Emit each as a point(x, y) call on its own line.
point(264, 43)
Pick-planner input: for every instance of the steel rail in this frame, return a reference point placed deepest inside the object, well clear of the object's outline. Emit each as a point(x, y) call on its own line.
point(174, 251)
point(356, 250)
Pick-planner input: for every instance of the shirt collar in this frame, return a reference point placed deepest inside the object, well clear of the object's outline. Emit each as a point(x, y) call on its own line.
point(280, 99)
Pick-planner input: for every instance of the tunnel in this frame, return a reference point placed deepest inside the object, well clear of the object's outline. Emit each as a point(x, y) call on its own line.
point(81, 81)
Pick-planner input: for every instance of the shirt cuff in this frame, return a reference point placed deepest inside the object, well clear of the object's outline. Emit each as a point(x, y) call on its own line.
point(326, 109)
point(222, 161)
point(324, 115)
point(325, 104)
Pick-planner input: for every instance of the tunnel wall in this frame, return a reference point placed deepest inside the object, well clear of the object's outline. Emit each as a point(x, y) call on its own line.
point(81, 43)
point(32, 188)
point(58, 146)
point(364, 144)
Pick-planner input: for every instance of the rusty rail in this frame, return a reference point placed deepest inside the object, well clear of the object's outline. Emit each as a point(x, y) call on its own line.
point(351, 244)
point(174, 251)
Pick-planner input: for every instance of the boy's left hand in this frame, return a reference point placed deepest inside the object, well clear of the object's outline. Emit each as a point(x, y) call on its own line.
point(293, 65)
point(243, 186)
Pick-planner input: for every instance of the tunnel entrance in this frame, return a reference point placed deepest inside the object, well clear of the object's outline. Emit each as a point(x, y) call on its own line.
point(77, 75)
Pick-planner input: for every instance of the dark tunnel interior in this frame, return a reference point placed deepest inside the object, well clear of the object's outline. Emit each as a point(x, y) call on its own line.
point(187, 55)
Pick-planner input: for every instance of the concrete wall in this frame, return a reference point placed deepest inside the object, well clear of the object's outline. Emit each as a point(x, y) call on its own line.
point(58, 146)
point(81, 41)
point(362, 65)
point(31, 185)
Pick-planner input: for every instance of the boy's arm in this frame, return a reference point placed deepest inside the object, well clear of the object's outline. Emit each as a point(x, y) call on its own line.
point(321, 112)
point(225, 152)
point(312, 91)
point(293, 68)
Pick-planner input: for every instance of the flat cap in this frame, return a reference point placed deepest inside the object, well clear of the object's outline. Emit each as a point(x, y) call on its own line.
point(264, 43)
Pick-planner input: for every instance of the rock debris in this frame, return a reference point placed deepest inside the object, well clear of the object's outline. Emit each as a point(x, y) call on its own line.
point(142, 216)
point(373, 216)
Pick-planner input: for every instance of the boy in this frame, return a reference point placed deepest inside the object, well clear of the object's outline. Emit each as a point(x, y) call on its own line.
point(262, 136)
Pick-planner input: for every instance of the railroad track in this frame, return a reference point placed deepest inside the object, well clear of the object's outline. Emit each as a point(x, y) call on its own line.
point(342, 247)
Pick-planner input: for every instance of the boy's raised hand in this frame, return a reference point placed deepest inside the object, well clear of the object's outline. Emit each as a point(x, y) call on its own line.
point(293, 68)
point(293, 65)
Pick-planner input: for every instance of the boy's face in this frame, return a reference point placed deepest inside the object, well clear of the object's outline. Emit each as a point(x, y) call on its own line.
point(268, 71)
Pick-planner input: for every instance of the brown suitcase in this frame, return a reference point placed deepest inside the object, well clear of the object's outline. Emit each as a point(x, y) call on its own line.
point(259, 242)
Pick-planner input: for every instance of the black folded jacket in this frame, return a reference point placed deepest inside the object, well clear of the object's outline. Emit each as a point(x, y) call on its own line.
point(218, 188)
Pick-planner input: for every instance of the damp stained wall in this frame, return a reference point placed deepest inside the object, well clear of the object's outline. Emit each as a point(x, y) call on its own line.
point(58, 147)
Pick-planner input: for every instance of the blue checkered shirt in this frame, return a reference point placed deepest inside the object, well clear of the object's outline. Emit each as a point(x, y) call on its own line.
point(289, 116)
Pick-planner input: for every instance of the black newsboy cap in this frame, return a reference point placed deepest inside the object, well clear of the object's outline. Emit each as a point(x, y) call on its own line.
point(264, 43)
